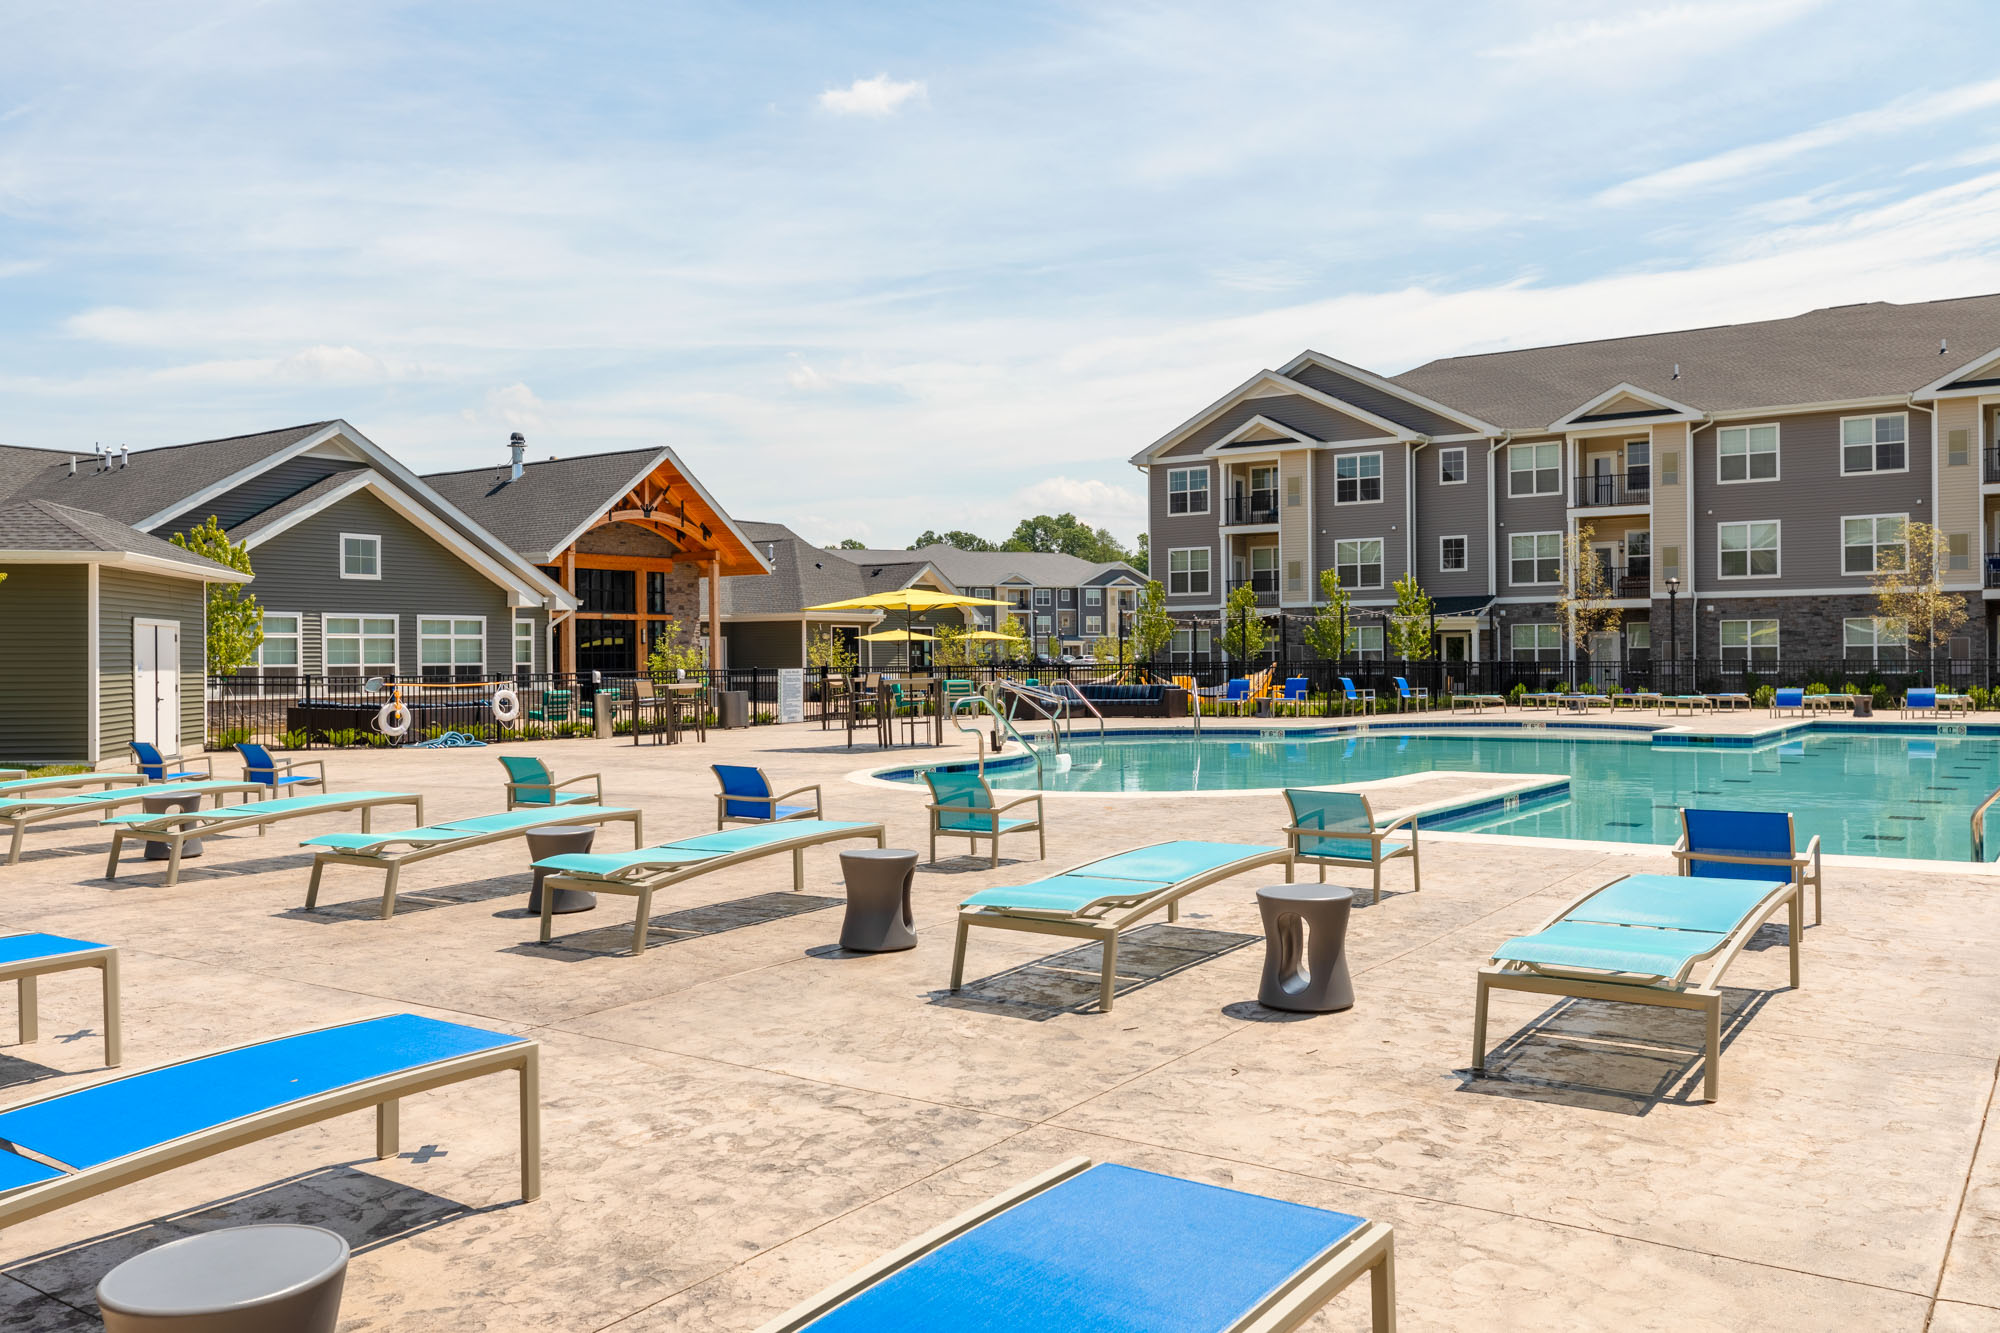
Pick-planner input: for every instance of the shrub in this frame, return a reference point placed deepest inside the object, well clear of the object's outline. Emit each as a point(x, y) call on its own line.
point(1514, 694)
point(764, 718)
point(1818, 687)
point(1763, 695)
point(296, 740)
point(1978, 696)
point(1880, 694)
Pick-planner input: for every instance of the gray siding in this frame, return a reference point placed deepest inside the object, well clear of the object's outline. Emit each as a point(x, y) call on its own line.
point(1388, 520)
point(1301, 414)
point(763, 643)
point(1171, 531)
point(1540, 513)
point(1809, 498)
point(123, 597)
point(45, 709)
point(1455, 510)
point(299, 571)
point(253, 497)
point(1371, 399)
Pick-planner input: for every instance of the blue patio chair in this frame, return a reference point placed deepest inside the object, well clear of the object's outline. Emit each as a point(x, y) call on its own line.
point(1405, 696)
point(1338, 828)
point(1365, 698)
point(529, 782)
point(1296, 689)
point(1237, 691)
point(963, 806)
point(1788, 701)
point(155, 765)
point(259, 766)
point(746, 797)
point(1747, 844)
point(1920, 700)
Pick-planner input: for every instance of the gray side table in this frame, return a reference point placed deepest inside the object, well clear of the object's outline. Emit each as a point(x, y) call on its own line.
point(1305, 948)
point(255, 1279)
point(172, 805)
point(560, 840)
point(879, 919)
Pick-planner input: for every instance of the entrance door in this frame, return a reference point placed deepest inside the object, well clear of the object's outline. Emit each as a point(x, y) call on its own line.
point(1455, 647)
point(156, 684)
point(1607, 566)
point(1604, 479)
point(1604, 659)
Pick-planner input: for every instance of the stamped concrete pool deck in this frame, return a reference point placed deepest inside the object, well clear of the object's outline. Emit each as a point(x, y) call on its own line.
point(746, 1113)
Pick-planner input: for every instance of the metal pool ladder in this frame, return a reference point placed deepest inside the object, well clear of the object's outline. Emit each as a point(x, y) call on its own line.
point(1979, 825)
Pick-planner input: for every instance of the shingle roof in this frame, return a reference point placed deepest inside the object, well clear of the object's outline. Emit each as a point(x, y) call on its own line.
point(536, 514)
point(42, 525)
point(801, 575)
point(1831, 355)
point(256, 523)
point(986, 569)
point(154, 479)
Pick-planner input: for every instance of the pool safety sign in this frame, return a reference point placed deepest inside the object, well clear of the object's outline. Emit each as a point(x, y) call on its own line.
point(791, 694)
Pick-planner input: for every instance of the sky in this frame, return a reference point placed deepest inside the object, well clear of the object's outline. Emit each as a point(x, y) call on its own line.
point(875, 269)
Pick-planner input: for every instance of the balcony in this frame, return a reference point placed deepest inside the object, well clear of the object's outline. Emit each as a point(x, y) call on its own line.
point(1250, 509)
point(1630, 581)
point(1993, 571)
point(1602, 489)
point(1263, 581)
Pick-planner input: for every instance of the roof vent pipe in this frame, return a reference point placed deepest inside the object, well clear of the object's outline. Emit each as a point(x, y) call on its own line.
point(517, 449)
point(72, 465)
point(1677, 370)
point(1941, 346)
point(124, 455)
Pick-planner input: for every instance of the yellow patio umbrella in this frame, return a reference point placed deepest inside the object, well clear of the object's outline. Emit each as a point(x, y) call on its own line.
point(883, 635)
point(912, 602)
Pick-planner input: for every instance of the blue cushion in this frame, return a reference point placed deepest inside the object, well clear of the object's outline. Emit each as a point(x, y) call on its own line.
point(1762, 833)
point(19, 948)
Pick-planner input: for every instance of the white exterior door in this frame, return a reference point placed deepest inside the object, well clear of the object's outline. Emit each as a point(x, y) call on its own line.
point(1605, 655)
point(156, 684)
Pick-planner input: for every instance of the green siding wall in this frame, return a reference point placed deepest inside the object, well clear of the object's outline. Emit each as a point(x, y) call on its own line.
point(123, 597)
point(45, 705)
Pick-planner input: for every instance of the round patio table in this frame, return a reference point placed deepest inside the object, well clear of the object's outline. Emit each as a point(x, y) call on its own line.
point(1305, 948)
point(879, 919)
point(172, 805)
point(559, 840)
point(278, 1278)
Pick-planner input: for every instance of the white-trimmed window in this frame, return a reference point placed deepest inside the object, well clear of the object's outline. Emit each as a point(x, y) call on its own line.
point(1874, 639)
point(1638, 636)
point(1093, 597)
point(1451, 554)
point(1747, 550)
point(1358, 562)
point(1191, 645)
point(1045, 597)
point(278, 655)
point(1746, 453)
point(360, 555)
point(1638, 467)
point(1093, 625)
point(524, 645)
point(1187, 572)
point(1264, 568)
point(361, 645)
point(1866, 539)
point(1187, 490)
point(1451, 466)
point(1357, 479)
point(452, 646)
point(1751, 643)
point(1045, 625)
point(1639, 554)
point(1534, 469)
point(1534, 557)
point(1364, 640)
point(1875, 444)
point(1535, 643)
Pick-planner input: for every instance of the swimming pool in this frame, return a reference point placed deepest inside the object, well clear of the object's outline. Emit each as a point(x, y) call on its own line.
point(1904, 794)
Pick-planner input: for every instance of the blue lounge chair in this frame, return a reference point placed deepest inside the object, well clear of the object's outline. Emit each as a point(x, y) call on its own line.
point(378, 850)
point(24, 958)
point(155, 765)
point(175, 830)
point(277, 774)
point(1365, 698)
point(1100, 899)
point(1297, 688)
point(1338, 828)
point(746, 797)
point(1405, 696)
point(963, 806)
point(28, 808)
point(1639, 940)
point(1788, 701)
point(645, 871)
point(76, 1145)
point(1747, 844)
point(1109, 1248)
point(530, 783)
point(1920, 700)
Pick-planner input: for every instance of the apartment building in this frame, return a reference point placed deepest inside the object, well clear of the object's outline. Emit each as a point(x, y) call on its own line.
point(1745, 479)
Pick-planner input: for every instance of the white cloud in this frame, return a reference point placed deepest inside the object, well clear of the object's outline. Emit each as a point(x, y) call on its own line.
point(320, 364)
point(1913, 111)
point(878, 96)
point(1097, 503)
point(1656, 32)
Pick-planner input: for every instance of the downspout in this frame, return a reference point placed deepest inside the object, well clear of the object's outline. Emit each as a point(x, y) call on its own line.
point(1493, 449)
point(1694, 592)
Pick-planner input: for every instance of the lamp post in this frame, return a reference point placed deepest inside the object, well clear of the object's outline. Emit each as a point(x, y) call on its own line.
point(1674, 628)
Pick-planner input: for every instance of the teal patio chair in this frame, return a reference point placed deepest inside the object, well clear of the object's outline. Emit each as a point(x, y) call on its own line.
point(530, 783)
point(551, 706)
point(1338, 828)
point(962, 806)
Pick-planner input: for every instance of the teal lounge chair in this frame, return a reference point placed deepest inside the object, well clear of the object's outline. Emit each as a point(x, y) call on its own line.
point(1112, 1249)
point(746, 797)
point(22, 811)
point(71, 1146)
point(963, 806)
point(60, 781)
point(1640, 940)
point(1099, 900)
point(530, 783)
point(378, 850)
point(643, 872)
point(175, 831)
point(260, 766)
point(1748, 844)
point(1338, 828)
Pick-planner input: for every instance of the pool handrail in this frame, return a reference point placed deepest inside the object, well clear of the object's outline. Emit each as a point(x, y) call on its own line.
point(1979, 825)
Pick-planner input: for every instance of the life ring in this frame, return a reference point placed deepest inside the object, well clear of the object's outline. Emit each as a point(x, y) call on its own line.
point(506, 705)
point(393, 719)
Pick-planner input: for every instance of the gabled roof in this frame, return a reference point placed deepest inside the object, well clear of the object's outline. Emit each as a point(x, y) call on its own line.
point(43, 532)
point(1275, 383)
point(1364, 388)
point(1624, 403)
point(1981, 375)
point(1840, 354)
point(155, 483)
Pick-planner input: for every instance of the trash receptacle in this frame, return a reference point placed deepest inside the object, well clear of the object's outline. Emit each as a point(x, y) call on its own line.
point(732, 709)
point(1863, 706)
point(606, 723)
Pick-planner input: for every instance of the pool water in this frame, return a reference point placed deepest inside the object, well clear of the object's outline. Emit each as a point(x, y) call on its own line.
point(1864, 794)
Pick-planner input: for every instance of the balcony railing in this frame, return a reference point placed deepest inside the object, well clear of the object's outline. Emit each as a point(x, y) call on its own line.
point(1263, 580)
point(1993, 571)
point(1252, 508)
point(1614, 488)
point(1627, 581)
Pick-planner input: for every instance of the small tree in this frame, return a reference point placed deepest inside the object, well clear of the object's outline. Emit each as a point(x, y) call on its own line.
point(1152, 627)
point(1583, 607)
point(1326, 632)
point(1242, 626)
point(953, 648)
point(674, 650)
point(1017, 648)
point(1410, 622)
point(829, 651)
point(1109, 649)
point(235, 621)
point(1909, 588)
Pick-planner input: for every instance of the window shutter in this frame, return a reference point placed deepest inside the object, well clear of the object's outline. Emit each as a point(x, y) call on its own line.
point(1670, 561)
point(1957, 450)
point(1959, 544)
point(1292, 493)
point(1670, 468)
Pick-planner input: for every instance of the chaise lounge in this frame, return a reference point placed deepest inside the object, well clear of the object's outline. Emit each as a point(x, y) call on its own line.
point(20, 812)
point(1099, 900)
point(72, 1146)
point(645, 871)
point(59, 781)
point(1115, 1248)
point(175, 830)
point(25, 958)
